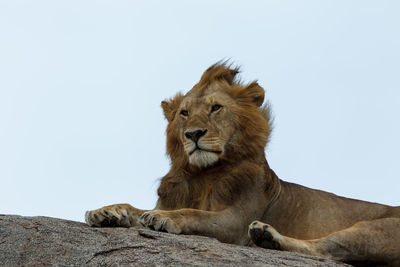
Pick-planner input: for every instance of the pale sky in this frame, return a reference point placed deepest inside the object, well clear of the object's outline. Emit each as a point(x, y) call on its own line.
point(81, 84)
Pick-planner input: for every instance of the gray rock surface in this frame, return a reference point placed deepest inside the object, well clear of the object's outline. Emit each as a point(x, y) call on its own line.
point(44, 241)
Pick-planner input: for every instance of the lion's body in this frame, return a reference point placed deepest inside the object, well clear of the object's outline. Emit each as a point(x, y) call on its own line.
point(312, 209)
point(220, 183)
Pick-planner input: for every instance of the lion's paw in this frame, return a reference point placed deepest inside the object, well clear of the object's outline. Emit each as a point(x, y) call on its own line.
point(160, 221)
point(109, 216)
point(264, 235)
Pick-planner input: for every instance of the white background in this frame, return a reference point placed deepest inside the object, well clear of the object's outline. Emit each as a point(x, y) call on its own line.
point(81, 84)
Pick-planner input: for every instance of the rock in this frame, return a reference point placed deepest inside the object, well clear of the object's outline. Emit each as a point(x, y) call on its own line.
point(37, 241)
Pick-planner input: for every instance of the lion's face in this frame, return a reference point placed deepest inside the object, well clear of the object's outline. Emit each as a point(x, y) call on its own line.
point(205, 127)
point(217, 120)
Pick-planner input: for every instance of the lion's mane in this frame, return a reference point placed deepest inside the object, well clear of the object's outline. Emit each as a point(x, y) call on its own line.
point(188, 186)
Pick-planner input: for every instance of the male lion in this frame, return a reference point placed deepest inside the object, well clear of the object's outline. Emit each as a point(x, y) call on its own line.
point(220, 184)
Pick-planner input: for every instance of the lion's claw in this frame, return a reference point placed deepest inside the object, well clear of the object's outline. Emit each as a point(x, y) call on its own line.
point(107, 216)
point(264, 235)
point(159, 221)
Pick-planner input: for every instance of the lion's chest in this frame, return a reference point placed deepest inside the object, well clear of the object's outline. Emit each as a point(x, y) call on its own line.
point(205, 193)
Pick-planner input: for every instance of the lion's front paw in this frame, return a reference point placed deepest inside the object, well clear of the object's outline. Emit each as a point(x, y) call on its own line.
point(264, 235)
point(160, 221)
point(111, 216)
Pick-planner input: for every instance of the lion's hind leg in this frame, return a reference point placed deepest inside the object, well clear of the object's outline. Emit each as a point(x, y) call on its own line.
point(264, 235)
point(368, 242)
point(123, 215)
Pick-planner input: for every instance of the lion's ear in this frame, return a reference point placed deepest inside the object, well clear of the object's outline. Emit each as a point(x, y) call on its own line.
point(252, 93)
point(170, 106)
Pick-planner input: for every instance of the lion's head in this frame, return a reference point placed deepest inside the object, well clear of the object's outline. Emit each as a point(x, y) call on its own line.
point(219, 120)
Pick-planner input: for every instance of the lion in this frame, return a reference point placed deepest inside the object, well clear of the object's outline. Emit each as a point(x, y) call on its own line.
point(220, 184)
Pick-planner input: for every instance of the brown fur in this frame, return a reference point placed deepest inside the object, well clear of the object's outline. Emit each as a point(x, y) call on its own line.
point(220, 182)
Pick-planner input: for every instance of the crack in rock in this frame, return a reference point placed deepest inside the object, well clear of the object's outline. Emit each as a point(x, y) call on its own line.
point(109, 251)
point(146, 235)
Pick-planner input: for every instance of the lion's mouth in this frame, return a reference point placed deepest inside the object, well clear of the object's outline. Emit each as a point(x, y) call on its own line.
point(197, 148)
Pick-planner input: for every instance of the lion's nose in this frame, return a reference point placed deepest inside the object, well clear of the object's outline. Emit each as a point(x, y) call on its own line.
point(195, 135)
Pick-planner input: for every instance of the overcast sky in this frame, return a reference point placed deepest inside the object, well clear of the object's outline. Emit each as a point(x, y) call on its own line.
point(81, 84)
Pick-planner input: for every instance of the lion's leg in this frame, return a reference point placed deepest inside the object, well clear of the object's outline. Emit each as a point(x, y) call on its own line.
point(264, 235)
point(114, 215)
point(226, 225)
point(367, 241)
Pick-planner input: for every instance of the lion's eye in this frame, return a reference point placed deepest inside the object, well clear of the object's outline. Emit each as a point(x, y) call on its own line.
point(216, 108)
point(184, 113)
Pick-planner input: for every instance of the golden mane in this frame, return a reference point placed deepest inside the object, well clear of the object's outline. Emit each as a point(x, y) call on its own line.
point(253, 126)
point(221, 71)
point(253, 122)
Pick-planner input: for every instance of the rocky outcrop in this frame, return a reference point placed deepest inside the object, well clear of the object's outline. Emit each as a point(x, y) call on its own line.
point(43, 241)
